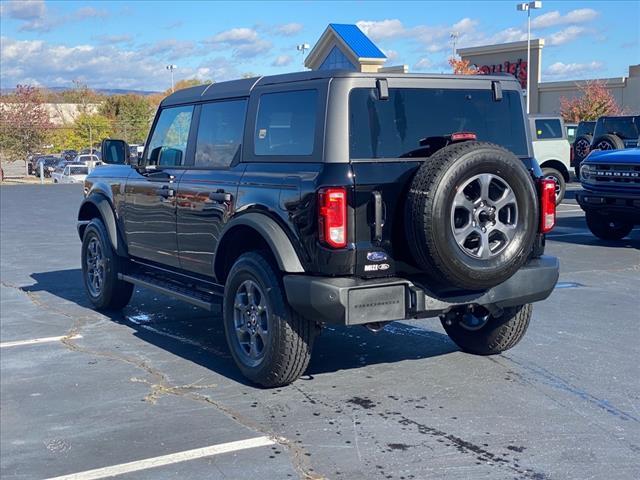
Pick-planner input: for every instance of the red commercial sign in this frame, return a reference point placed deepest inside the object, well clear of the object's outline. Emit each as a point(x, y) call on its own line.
point(517, 69)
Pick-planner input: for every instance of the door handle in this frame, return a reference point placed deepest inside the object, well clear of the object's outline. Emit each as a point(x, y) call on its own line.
point(164, 191)
point(221, 197)
point(378, 220)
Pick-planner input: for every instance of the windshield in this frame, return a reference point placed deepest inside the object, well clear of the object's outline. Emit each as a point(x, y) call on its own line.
point(393, 128)
point(78, 171)
point(624, 127)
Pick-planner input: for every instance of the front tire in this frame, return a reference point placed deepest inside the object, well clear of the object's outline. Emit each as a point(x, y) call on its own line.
point(270, 343)
point(482, 333)
point(100, 268)
point(607, 228)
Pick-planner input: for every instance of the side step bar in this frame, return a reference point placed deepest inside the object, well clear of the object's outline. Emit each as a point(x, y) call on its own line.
point(206, 300)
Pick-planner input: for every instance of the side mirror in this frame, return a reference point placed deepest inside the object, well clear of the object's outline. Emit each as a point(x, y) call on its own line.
point(115, 152)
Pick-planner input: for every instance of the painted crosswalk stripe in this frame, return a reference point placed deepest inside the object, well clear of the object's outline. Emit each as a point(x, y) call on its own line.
point(36, 341)
point(172, 458)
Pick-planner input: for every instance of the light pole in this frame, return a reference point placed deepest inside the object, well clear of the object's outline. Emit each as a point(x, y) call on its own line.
point(171, 68)
point(454, 39)
point(527, 7)
point(303, 47)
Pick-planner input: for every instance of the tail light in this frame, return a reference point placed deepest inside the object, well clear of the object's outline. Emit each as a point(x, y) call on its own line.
point(332, 216)
point(460, 136)
point(547, 205)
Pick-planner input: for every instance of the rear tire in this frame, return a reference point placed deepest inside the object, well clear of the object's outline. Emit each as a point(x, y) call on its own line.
point(608, 141)
point(497, 335)
point(607, 228)
point(581, 147)
point(270, 343)
point(100, 268)
point(558, 178)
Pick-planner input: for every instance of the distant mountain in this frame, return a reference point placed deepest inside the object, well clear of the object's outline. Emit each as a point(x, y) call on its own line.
point(104, 91)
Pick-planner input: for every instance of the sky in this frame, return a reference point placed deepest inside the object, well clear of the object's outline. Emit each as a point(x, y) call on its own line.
point(110, 44)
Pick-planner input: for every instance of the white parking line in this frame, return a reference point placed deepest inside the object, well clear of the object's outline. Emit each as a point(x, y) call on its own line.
point(35, 341)
point(168, 459)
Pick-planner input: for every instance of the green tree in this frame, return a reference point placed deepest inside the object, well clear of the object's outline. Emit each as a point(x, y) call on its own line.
point(24, 124)
point(130, 116)
point(90, 130)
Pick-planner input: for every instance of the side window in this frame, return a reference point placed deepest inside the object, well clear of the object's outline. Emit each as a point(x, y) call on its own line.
point(548, 128)
point(220, 133)
point(286, 123)
point(168, 143)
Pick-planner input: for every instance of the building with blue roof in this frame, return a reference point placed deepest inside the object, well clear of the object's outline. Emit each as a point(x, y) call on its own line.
point(346, 47)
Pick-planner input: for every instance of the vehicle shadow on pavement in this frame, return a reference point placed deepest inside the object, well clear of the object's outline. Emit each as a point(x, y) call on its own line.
point(198, 335)
point(574, 230)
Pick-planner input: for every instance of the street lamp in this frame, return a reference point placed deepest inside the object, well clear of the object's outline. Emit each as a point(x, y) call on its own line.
point(527, 7)
point(303, 47)
point(171, 68)
point(454, 39)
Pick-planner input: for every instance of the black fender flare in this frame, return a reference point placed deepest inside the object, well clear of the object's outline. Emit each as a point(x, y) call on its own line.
point(272, 233)
point(100, 203)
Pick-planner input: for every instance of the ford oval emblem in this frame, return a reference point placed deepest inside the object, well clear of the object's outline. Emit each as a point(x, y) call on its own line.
point(376, 256)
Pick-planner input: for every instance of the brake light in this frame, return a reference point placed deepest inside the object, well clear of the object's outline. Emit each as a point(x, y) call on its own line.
point(332, 217)
point(458, 136)
point(547, 205)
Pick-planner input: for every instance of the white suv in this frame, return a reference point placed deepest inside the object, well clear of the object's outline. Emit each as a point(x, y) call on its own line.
point(552, 150)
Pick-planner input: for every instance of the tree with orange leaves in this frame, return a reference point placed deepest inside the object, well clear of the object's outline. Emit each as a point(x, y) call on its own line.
point(462, 67)
point(594, 101)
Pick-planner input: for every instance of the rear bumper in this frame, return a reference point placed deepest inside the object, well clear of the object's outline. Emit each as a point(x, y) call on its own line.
point(610, 204)
point(353, 301)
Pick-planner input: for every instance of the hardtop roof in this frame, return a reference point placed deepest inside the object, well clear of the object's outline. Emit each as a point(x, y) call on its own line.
point(243, 87)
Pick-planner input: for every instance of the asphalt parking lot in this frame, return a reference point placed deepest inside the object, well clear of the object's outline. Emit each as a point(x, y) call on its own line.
point(129, 393)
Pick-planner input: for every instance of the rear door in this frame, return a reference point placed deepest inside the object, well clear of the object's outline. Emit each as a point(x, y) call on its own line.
point(385, 151)
point(208, 189)
point(150, 210)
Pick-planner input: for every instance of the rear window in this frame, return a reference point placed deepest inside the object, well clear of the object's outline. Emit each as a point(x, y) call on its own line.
point(286, 123)
point(585, 127)
point(78, 171)
point(548, 128)
point(393, 128)
point(624, 127)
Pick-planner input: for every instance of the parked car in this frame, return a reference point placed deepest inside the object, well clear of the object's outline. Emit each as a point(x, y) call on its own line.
point(616, 133)
point(71, 173)
point(69, 155)
point(329, 197)
point(136, 151)
point(552, 150)
point(91, 161)
point(582, 144)
point(611, 192)
point(49, 165)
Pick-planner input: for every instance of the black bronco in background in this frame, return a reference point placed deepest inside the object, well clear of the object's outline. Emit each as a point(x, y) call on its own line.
point(616, 133)
point(320, 198)
point(611, 195)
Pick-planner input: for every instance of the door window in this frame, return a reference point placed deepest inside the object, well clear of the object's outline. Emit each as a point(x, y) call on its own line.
point(286, 123)
point(548, 128)
point(168, 143)
point(220, 133)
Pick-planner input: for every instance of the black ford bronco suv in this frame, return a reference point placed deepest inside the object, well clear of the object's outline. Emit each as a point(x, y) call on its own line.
point(328, 197)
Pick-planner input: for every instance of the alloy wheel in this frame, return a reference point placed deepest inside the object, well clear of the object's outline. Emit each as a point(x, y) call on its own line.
point(95, 273)
point(484, 216)
point(251, 322)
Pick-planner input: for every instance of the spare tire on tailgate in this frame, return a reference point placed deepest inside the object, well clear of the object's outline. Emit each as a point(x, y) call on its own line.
point(471, 215)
